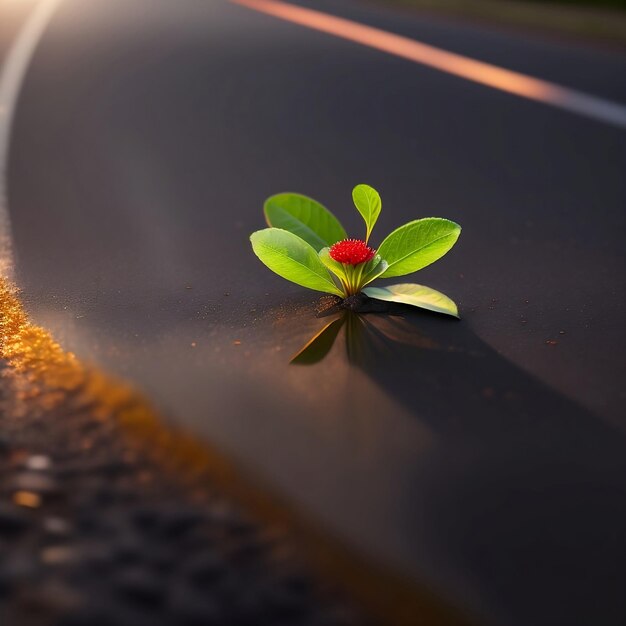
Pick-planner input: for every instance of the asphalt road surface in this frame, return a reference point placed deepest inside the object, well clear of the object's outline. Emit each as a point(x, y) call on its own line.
point(486, 458)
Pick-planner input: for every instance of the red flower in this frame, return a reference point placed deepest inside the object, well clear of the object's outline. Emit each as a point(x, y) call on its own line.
point(351, 252)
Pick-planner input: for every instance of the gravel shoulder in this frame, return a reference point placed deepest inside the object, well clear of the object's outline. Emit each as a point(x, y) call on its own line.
point(92, 531)
point(95, 530)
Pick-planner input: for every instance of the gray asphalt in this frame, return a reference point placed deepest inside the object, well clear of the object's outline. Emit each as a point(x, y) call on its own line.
point(479, 457)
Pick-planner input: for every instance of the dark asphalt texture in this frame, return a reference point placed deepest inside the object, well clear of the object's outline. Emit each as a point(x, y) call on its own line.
point(485, 458)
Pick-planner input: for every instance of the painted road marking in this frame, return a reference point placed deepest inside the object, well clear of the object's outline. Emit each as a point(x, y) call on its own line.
point(456, 64)
point(13, 71)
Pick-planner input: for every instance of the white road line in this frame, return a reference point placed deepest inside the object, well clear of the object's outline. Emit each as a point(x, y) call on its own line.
point(11, 79)
point(493, 76)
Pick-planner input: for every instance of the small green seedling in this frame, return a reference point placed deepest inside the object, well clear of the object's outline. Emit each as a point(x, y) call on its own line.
point(307, 245)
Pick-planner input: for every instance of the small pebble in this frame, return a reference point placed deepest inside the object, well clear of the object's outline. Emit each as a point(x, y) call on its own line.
point(27, 499)
point(58, 555)
point(38, 462)
point(56, 526)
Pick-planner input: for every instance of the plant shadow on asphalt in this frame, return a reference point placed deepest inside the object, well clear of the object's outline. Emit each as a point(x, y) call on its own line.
point(442, 371)
point(528, 476)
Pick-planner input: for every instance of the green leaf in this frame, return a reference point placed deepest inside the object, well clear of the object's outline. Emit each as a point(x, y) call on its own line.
point(319, 345)
point(304, 217)
point(334, 266)
point(418, 244)
point(369, 205)
point(415, 295)
point(292, 258)
point(374, 268)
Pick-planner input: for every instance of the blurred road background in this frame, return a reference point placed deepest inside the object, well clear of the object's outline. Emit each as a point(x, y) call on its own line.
point(484, 459)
